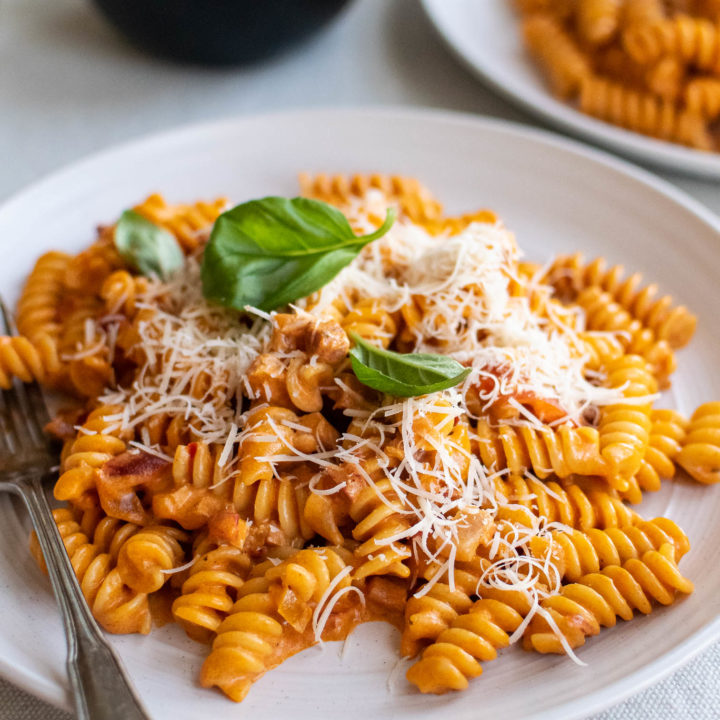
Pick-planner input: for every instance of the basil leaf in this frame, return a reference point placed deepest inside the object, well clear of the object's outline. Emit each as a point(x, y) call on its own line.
point(404, 374)
point(146, 247)
point(270, 252)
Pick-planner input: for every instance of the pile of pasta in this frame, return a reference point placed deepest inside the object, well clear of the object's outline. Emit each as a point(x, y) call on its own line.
point(651, 66)
point(229, 470)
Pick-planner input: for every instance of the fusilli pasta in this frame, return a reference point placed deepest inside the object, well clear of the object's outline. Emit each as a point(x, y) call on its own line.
point(242, 469)
point(648, 66)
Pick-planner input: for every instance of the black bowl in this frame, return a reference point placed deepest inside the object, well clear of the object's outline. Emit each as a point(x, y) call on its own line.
point(218, 32)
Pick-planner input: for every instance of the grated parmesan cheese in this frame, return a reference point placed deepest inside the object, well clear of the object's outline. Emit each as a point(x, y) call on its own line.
point(195, 358)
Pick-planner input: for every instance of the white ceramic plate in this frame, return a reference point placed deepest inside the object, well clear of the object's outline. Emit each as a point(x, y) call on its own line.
point(485, 34)
point(557, 196)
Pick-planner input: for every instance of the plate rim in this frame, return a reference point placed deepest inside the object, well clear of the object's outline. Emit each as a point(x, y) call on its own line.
point(653, 151)
point(594, 702)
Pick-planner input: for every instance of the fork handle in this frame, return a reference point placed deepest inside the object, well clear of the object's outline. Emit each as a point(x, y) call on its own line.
point(99, 683)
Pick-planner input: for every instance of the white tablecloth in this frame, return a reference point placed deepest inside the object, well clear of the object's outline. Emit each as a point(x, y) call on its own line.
point(70, 86)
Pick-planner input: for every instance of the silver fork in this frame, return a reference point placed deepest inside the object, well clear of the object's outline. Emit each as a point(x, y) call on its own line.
point(99, 684)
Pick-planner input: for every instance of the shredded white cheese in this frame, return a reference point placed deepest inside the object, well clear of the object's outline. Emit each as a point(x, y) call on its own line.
point(195, 356)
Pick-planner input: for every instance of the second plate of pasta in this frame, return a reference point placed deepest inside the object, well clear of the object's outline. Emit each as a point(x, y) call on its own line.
point(488, 37)
point(233, 535)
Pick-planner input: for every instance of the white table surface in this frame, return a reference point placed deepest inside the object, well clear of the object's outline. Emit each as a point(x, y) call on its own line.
point(69, 86)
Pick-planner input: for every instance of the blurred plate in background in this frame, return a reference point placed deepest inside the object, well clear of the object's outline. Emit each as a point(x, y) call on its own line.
point(485, 34)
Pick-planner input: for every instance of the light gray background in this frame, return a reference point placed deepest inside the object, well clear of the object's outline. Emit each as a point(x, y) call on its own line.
point(69, 86)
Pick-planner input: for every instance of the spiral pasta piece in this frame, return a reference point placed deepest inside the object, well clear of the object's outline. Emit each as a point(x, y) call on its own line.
point(310, 350)
point(205, 487)
point(110, 534)
point(248, 643)
point(568, 503)
point(305, 381)
point(413, 200)
point(146, 557)
point(79, 331)
point(267, 436)
point(324, 514)
point(118, 608)
point(625, 427)
point(603, 314)
point(561, 451)
point(300, 583)
point(120, 292)
point(90, 375)
point(700, 453)
point(642, 12)
point(702, 96)
point(411, 315)
point(277, 503)
point(28, 360)
point(600, 348)
point(185, 222)
point(590, 551)
point(666, 78)
point(37, 309)
point(91, 449)
point(570, 275)
point(428, 615)
point(597, 599)
point(562, 61)
point(198, 464)
point(165, 430)
point(83, 347)
point(378, 519)
point(87, 270)
point(696, 41)
point(597, 21)
point(613, 63)
point(643, 112)
point(666, 435)
point(472, 638)
point(467, 576)
point(91, 521)
point(371, 322)
point(210, 591)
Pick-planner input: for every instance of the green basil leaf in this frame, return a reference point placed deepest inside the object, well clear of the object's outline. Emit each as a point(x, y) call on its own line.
point(404, 374)
point(146, 247)
point(270, 252)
